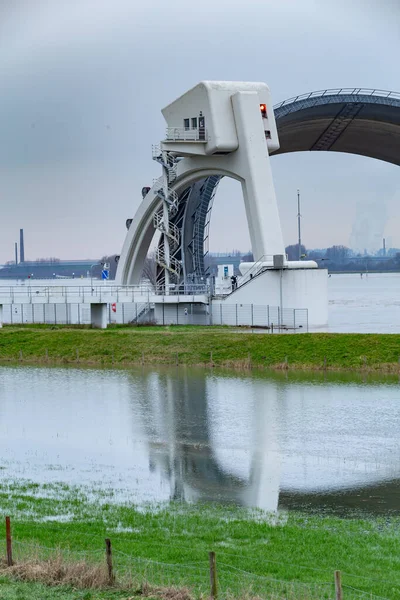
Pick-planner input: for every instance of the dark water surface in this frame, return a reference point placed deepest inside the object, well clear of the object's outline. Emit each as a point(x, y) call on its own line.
point(289, 441)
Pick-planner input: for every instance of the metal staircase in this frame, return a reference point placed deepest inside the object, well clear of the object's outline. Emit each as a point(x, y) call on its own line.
point(173, 232)
point(169, 268)
point(170, 164)
point(174, 266)
point(337, 127)
point(171, 197)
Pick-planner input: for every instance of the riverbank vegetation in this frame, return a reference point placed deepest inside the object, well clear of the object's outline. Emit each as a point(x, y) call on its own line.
point(156, 548)
point(201, 346)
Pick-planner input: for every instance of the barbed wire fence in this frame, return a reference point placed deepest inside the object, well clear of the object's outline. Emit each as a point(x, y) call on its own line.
point(211, 576)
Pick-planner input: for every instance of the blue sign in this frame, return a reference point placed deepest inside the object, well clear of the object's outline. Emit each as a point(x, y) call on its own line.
point(105, 274)
point(225, 271)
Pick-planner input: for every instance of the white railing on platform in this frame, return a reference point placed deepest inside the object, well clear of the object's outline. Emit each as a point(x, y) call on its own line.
point(77, 293)
point(84, 294)
point(181, 134)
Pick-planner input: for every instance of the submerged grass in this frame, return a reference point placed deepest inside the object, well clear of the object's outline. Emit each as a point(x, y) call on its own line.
point(207, 346)
point(257, 553)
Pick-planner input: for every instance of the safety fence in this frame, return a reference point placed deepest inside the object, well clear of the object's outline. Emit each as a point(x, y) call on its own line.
point(271, 318)
point(254, 315)
point(100, 563)
point(75, 313)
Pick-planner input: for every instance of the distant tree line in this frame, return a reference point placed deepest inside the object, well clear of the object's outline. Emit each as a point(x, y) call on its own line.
point(342, 258)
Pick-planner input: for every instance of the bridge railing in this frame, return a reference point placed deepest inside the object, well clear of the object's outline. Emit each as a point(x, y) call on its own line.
point(81, 293)
point(340, 92)
point(69, 293)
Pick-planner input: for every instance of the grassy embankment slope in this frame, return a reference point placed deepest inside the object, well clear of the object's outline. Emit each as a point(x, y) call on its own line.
point(255, 553)
point(216, 346)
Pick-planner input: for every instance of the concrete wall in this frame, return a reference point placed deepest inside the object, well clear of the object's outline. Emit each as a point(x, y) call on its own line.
point(181, 314)
point(213, 99)
point(306, 288)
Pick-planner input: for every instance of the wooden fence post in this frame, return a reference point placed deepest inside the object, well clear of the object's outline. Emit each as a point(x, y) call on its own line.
point(338, 586)
point(109, 561)
point(213, 575)
point(8, 542)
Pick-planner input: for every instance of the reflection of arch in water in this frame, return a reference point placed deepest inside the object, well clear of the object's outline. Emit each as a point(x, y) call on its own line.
point(183, 439)
point(195, 424)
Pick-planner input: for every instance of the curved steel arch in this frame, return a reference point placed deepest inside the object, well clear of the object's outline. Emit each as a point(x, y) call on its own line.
point(356, 121)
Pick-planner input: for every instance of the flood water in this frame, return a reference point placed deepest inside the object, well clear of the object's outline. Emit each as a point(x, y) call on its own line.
point(267, 441)
point(364, 304)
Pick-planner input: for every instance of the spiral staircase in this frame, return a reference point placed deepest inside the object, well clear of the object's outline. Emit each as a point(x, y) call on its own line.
point(163, 220)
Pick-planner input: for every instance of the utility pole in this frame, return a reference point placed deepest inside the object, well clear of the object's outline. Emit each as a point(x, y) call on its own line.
point(298, 221)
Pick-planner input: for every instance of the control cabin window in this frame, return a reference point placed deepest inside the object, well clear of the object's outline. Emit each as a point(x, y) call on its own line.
point(194, 123)
point(186, 123)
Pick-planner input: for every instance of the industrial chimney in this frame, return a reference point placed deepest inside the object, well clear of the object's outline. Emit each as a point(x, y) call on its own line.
point(21, 246)
point(16, 253)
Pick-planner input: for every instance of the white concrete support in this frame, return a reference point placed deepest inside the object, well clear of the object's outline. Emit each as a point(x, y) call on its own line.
point(257, 183)
point(167, 252)
point(1, 315)
point(98, 315)
point(288, 288)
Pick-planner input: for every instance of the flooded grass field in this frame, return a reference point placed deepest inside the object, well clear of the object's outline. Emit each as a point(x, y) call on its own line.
point(287, 477)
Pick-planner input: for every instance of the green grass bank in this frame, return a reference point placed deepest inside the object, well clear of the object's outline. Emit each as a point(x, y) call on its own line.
point(201, 346)
point(288, 556)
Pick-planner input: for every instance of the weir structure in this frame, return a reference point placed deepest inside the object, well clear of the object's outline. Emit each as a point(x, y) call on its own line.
point(218, 129)
point(214, 130)
point(351, 120)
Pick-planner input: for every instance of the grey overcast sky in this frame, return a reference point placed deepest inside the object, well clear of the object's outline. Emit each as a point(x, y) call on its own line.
point(83, 82)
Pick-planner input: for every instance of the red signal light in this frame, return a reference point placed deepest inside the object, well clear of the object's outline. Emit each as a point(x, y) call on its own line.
point(263, 108)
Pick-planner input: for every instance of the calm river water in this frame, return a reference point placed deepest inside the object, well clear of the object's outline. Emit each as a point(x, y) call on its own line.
point(263, 441)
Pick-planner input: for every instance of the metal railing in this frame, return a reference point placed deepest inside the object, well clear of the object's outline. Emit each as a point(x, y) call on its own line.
point(255, 269)
point(340, 92)
point(187, 289)
point(174, 265)
point(172, 197)
point(171, 168)
point(173, 231)
point(181, 134)
point(273, 318)
point(86, 293)
point(74, 293)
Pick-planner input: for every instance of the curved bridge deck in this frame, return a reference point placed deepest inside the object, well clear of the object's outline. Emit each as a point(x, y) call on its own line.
point(356, 121)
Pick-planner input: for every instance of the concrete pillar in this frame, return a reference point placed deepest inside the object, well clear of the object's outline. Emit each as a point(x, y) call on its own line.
point(253, 163)
point(1, 315)
point(98, 315)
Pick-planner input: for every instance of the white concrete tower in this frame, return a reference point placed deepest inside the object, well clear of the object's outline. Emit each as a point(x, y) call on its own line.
point(229, 127)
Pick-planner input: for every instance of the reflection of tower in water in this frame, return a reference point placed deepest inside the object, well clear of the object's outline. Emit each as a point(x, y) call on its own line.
point(210, 444)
